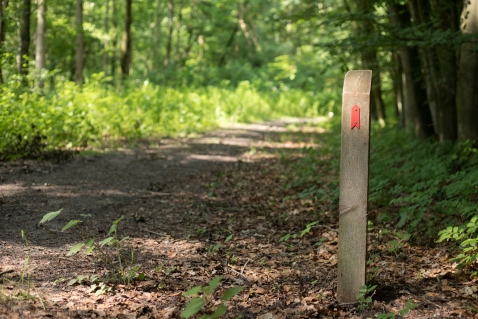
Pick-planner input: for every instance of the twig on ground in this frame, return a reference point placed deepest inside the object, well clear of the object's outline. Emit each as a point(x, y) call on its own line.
point(243, 267)
point(238, 273)
point(6, 272)
point(150, 192)
point(326, 226)
point(153, 232)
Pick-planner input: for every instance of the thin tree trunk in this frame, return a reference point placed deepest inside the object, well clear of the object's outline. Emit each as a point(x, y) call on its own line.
point(443, 69)
point(126, 46)
point(416, 113)
point(40, 41)
point(468, 74)
point(3, 32)
point(421, 14)
point(243, 25)
point(107, 33)
point(79, 43)
point(170, 34)
point(114, 38)
point(156, 35)
point(24, 38)
point(222, 60)
point(397, 72)
point(178, 34)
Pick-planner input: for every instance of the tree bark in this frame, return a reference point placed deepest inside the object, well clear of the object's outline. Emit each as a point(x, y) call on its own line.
point(397, 72)
point(79, 43)
point(114, 38)
point(3, 32)
point(178, 34)
point(24, 38)
point(107, 32)
point(417, 115)
point(468, 74)
point(170, 33)
point(157, 36)
point(222, 60)
point(126, 46)
point(40, 41)
point(444, 68)
point(420, 13)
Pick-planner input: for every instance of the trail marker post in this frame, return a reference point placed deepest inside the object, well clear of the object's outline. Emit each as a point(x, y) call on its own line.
point(354, 171)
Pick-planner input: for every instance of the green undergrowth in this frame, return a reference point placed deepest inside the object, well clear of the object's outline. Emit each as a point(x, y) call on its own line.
point(70, 117)
point(421, 186)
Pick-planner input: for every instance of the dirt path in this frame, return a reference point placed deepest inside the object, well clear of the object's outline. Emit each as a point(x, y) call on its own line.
point(194, 209)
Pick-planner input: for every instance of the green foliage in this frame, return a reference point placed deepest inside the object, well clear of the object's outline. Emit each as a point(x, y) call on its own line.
point(467, 236)
point(364, 297)
point(122, 270)
point(390, 315)
point(423, 178)
point(397, 244)
point(70, 117)
point(206, 300)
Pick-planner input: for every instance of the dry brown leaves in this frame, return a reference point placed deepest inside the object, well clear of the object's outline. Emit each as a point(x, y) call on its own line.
point(178, 229)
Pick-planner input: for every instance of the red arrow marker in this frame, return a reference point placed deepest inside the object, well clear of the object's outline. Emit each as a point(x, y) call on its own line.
point(355, 122)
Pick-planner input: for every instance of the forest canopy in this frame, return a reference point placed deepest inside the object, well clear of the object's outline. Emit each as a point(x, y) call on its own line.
point(76, 72)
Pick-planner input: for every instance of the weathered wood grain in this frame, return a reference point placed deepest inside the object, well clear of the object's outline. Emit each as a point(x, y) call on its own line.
point(354, 171)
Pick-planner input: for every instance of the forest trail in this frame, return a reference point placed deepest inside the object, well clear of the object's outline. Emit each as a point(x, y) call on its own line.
point(195, 208)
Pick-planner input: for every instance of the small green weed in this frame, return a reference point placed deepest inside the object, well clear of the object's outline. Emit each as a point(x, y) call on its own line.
point(364, 297)
point(23, 288)
point(206, 300)
point(397, 244)
point(121, 270)
point(390, 315)
point(466, 235)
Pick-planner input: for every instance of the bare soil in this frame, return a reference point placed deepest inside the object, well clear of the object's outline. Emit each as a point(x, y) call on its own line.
point(182, 200)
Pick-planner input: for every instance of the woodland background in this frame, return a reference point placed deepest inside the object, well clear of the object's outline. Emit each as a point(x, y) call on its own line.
point(81, 74)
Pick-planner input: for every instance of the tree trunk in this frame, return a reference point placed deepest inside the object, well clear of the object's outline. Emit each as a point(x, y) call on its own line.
point(222, 60)
point(468, 74)
point(397, 72)
point(126, 46)
point(420, 13)
point(3, 32)
point(157, 35)
point(40, 41)
point(114, 38)
point(170, 34)
point(444, 68)
point(24, 38)
point(79, 43)
point(243, 25)
point(178, 34)
point(107, 32)
point(416, 113)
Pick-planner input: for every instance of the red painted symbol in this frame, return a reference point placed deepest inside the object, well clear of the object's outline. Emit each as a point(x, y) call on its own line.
point(355, 122)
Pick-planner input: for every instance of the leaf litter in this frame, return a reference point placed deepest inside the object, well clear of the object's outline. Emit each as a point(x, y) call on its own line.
point(199, 208)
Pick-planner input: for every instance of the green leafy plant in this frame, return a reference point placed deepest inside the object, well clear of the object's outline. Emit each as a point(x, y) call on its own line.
point(306, 230)
point(205, 300)
point(121, 270)
point(390, 315)
point(372, 272)
point(364, 297)
point(468, 239)
point(397, 244)
point(23, 288)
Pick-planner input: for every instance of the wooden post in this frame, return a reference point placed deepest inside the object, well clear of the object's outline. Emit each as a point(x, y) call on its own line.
point(354, 166)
